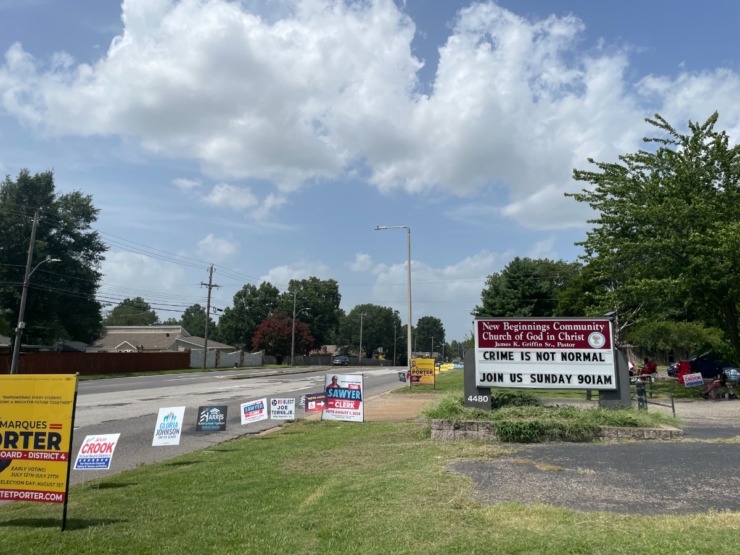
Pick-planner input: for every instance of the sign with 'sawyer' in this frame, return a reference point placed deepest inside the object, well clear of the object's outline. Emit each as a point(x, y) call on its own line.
point(545, 353)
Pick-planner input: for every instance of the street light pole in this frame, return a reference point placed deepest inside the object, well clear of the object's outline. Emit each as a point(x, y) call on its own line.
point(24, 294)
point(292, 340)
point(408, 324)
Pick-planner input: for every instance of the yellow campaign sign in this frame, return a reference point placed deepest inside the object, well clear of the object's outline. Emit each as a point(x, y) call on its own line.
point(446, 367)
point(422, 371)
point(36, 412)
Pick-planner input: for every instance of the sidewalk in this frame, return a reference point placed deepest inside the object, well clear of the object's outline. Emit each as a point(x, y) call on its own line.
point(398, 407)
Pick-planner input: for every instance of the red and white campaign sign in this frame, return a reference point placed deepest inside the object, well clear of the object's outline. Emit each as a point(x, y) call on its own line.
point(315, 402)
point(545, 353)
point(254, 411)
point(96, 452)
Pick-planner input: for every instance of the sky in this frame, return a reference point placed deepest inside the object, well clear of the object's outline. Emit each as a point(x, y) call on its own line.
point(270, 138)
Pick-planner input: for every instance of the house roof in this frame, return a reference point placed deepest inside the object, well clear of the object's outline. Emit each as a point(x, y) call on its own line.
point(194, 342)
point(149, 338)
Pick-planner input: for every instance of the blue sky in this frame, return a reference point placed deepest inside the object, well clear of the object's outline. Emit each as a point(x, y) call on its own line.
point(270, 138)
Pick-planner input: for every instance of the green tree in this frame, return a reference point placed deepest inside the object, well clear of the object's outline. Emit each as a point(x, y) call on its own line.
point(680, 339)
point(666, 226)
point(132, 312)
point(252, 305)
point(274, 335)
point(378, 324)
point(194, 321)
point(594, 293)
point(320, 299)
point(526, 287)
point(429, 327)
point(61, 296)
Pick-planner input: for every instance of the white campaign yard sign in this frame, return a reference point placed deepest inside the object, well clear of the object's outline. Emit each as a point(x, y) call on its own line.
point(96, 452)
point(344, 397)
point(544, 353)
point(282, 409)
point(169, 426)
point(253, 411)
point(692, 380)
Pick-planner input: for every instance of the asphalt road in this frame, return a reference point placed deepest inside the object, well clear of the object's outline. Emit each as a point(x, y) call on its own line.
point(129, 406)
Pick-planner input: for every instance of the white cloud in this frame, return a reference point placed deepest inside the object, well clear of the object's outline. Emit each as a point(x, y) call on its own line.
point(280, 276)
point(317, 88)
point(232, 197)
point(362, 263)
point(216, 249)
point(685, 96)
point(139, 270)
point(543, 249)
point(453, 290)
point(186, 184)
point(162, 284)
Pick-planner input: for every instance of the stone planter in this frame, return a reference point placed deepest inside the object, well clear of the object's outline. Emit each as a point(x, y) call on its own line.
point(447, 430)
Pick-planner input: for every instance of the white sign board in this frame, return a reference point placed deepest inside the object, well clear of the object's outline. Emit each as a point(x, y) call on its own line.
point(691, 380)
point(169, 426)
point(253, 411)
point(544, 353)
point(282, 409)
point(344, 398)
point(96, 452)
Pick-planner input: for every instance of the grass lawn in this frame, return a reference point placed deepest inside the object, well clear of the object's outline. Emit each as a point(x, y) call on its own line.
point(334, 487)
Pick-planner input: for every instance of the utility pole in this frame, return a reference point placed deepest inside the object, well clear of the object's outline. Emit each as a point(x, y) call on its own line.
point(210, 286)
point(359, 358)
point(24, 296)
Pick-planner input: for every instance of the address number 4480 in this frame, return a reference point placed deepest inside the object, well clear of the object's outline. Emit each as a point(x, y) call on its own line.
point(478, 398)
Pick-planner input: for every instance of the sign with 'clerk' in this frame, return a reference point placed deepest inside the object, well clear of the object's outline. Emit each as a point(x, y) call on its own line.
point(544, 353)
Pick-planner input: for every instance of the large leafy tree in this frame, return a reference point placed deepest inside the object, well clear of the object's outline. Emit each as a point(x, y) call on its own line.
point(194, 321)
point(132, 312)
point(252, 305)
point(274, 335)
point(526, 287)
point(667, 228)
point(316, 302)
point(61, 295)
point(381, 327)
point(429, 335)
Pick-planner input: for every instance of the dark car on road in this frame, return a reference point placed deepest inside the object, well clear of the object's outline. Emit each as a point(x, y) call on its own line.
point(708, 365)
point(340, 360)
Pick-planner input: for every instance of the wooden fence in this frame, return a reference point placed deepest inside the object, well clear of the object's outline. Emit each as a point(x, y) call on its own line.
point(96, 363)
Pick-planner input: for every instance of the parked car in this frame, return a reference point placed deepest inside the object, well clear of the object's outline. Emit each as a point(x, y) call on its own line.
point(340, 360)
point(673, 369)
point(708, 365)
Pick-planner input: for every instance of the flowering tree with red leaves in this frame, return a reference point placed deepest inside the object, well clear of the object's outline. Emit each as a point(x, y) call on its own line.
point(275, 336)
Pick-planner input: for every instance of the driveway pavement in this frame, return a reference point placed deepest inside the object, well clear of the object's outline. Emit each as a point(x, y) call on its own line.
point(700, 473)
